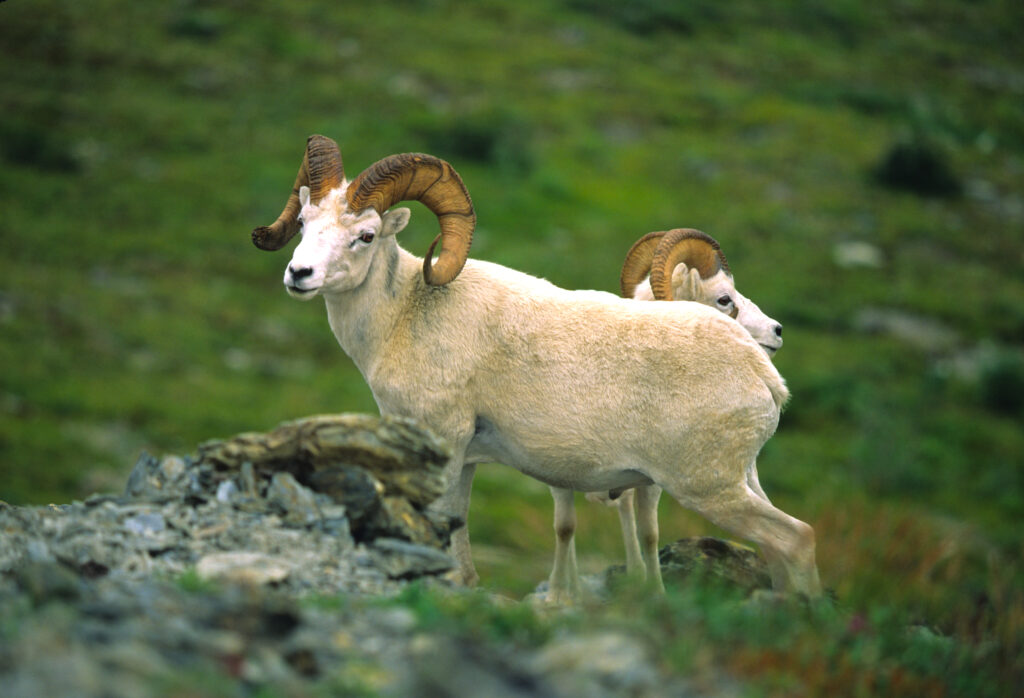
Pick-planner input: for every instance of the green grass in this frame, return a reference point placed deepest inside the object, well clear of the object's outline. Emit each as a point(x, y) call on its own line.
point(473, 614)
point(139, 145)
point(701, 630)
point(192, 582)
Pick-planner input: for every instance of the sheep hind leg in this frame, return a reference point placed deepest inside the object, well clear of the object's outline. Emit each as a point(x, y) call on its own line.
point(627, 522)
point(647, 522)
point(776, 566)
point(787, 543)
point(564, 582)
point(752, 481)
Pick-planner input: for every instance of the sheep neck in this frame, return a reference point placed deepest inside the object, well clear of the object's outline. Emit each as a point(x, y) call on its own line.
point(363, 318)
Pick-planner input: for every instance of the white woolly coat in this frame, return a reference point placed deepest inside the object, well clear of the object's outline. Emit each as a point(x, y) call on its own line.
point(581, 390)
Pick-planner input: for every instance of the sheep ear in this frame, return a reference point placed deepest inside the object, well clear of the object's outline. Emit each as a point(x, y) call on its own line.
point(303, 196)
point(694, 284)
point(394, 221)
point(686, 283)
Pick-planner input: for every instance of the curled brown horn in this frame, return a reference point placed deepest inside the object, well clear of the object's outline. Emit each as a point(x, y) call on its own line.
point(321, 171)
point(697, 250)
point(435, 183)
point(637, 264)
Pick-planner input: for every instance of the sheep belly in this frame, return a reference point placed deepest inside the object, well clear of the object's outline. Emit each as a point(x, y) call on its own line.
point(558, 464)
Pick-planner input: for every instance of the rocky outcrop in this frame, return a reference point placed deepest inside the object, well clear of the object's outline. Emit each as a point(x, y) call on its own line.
point(326, 504)
point(262, 565)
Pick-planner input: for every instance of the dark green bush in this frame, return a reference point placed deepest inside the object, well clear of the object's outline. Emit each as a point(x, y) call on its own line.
point(24, 142)
point(918, 166)
point(1002, 384)
point(650, 16)
point(491, 137)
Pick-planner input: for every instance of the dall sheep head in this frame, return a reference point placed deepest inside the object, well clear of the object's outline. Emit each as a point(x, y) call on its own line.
point(687, 264)
point(340, 220)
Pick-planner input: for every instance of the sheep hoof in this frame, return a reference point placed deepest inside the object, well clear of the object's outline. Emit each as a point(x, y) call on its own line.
point(546, 596)
point(545, 601)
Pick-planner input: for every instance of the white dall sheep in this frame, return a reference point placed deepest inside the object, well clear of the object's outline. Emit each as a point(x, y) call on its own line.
point(687, 264)
point(512, 369)
point(690, 266)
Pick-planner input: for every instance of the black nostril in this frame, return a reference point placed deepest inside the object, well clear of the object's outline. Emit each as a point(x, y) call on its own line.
point(778, 330)
point(300, 273)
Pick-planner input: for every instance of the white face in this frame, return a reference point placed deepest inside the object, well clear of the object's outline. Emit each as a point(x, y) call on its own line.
point(337, 246)
point(719, 291)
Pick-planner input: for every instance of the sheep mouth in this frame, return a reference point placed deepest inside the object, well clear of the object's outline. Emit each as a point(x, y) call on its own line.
point(770, 349)
point(297, 292)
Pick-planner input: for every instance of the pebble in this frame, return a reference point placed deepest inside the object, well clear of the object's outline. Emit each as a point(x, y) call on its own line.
point(243, 567)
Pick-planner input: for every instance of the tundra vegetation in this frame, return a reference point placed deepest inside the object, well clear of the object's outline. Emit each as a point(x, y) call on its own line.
point(861, 164)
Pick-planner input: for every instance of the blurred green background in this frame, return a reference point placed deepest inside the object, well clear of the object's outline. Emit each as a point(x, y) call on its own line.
point(861, 165)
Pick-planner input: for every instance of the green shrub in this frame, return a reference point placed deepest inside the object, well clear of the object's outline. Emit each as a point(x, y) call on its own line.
point(474, 614)
point(1002, 383)
point(918, 166)
point(493, 136)
point(31, 143)
point(650, 16)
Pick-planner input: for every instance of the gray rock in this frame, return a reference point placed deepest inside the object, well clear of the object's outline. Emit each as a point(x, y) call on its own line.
point(243, 567)
point(609, 663)
point(296, 502)
point(721, 561)
point(156, 480)
point(146, 524)
point(398, 518)
point(248, 479)
point(226, 490)
point(407, 459)
point(402, 560)
point(44, 581)
point(699, 559)
point(351, 486)
point(142, 477)
point(453, 667)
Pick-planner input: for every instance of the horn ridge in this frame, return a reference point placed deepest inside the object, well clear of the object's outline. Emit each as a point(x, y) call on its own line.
point(694, 234)
point(637, 263)
point(693, 247)
point(325, 167)
point(321, 170)
point(434, 183)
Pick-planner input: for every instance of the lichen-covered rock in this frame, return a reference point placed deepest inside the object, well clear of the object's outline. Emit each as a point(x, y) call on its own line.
point(383, 470)
point(352, 487)
point(157, 480)
point(295, 502)
point(698, 559)
point(402, 560)
point(407, 459)
point(255, 495)
point(714, 559)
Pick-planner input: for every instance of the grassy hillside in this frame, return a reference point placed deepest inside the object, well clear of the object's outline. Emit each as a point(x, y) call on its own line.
point(140, 143)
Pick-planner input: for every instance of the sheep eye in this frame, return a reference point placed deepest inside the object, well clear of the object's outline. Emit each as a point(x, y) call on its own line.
point(724, 300)
point(366, 237)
